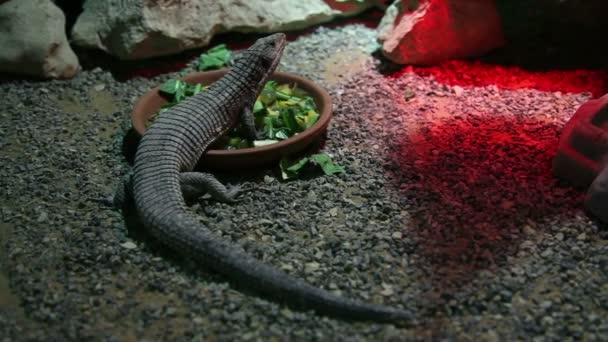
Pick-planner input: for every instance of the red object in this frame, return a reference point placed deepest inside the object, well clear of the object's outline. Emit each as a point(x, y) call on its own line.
point(440, 30)
point(583, 148)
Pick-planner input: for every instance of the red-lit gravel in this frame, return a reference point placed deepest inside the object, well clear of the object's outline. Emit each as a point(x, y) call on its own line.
point(477, 74)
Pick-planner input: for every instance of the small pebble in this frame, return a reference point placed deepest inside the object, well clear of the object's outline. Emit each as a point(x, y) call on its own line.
point(128, 245)
point(458, 91)
point(311, 267)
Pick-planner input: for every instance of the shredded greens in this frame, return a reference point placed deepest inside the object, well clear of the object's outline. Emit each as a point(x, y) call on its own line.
point(215, 58)
point(291, 170)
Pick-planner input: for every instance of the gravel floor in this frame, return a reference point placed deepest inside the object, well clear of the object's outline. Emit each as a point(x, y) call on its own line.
point(448, 208)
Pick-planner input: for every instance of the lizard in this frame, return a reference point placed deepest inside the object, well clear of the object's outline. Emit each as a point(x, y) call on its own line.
point(163, 177)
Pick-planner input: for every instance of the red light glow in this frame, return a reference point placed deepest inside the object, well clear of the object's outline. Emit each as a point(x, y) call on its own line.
point(477, 74)
point(480, 180)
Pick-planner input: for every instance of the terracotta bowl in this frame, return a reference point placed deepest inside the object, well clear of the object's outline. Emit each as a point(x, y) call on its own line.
point(150, 103)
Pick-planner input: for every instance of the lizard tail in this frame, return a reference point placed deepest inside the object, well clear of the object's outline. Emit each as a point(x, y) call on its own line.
point(182, 231)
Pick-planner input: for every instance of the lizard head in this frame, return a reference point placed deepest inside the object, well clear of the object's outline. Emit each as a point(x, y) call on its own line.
point(267, 52)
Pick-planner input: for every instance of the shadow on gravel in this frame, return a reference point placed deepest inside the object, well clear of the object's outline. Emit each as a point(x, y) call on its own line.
point(483, 185)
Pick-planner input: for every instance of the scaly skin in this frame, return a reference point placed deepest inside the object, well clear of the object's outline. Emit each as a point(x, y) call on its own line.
point(168, 152)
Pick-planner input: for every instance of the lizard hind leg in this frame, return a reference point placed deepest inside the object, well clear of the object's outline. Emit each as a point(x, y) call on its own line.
point(196, 184)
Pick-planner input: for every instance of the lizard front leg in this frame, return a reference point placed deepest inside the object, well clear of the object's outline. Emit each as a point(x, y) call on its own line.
point(248, 121)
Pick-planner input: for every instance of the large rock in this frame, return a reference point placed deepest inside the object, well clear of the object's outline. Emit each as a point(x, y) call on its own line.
point(33, 40)
point(439, 30)
point(132, 29)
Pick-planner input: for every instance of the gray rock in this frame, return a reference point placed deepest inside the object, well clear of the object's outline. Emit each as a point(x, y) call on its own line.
point(546, 253)
point(436, 31)
point(132, 29)
point(311, 267)
point(128, 245)
point(33, 40)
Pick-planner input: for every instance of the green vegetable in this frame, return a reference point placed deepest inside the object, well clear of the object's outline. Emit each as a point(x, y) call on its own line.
point(236, 143)
point(258, 107)
point(281, 110)
point(196, 89)
point(179, 90)
point(215, 58)
point(288, 116)
point(176, 88)
point(328, 165)
point(269, 93)
point(281, 134)
point(269, 127)
point(290, 170)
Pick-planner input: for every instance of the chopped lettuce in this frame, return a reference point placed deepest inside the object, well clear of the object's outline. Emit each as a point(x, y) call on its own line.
point(290, 169)
point(215, 58)
point(281, 111)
